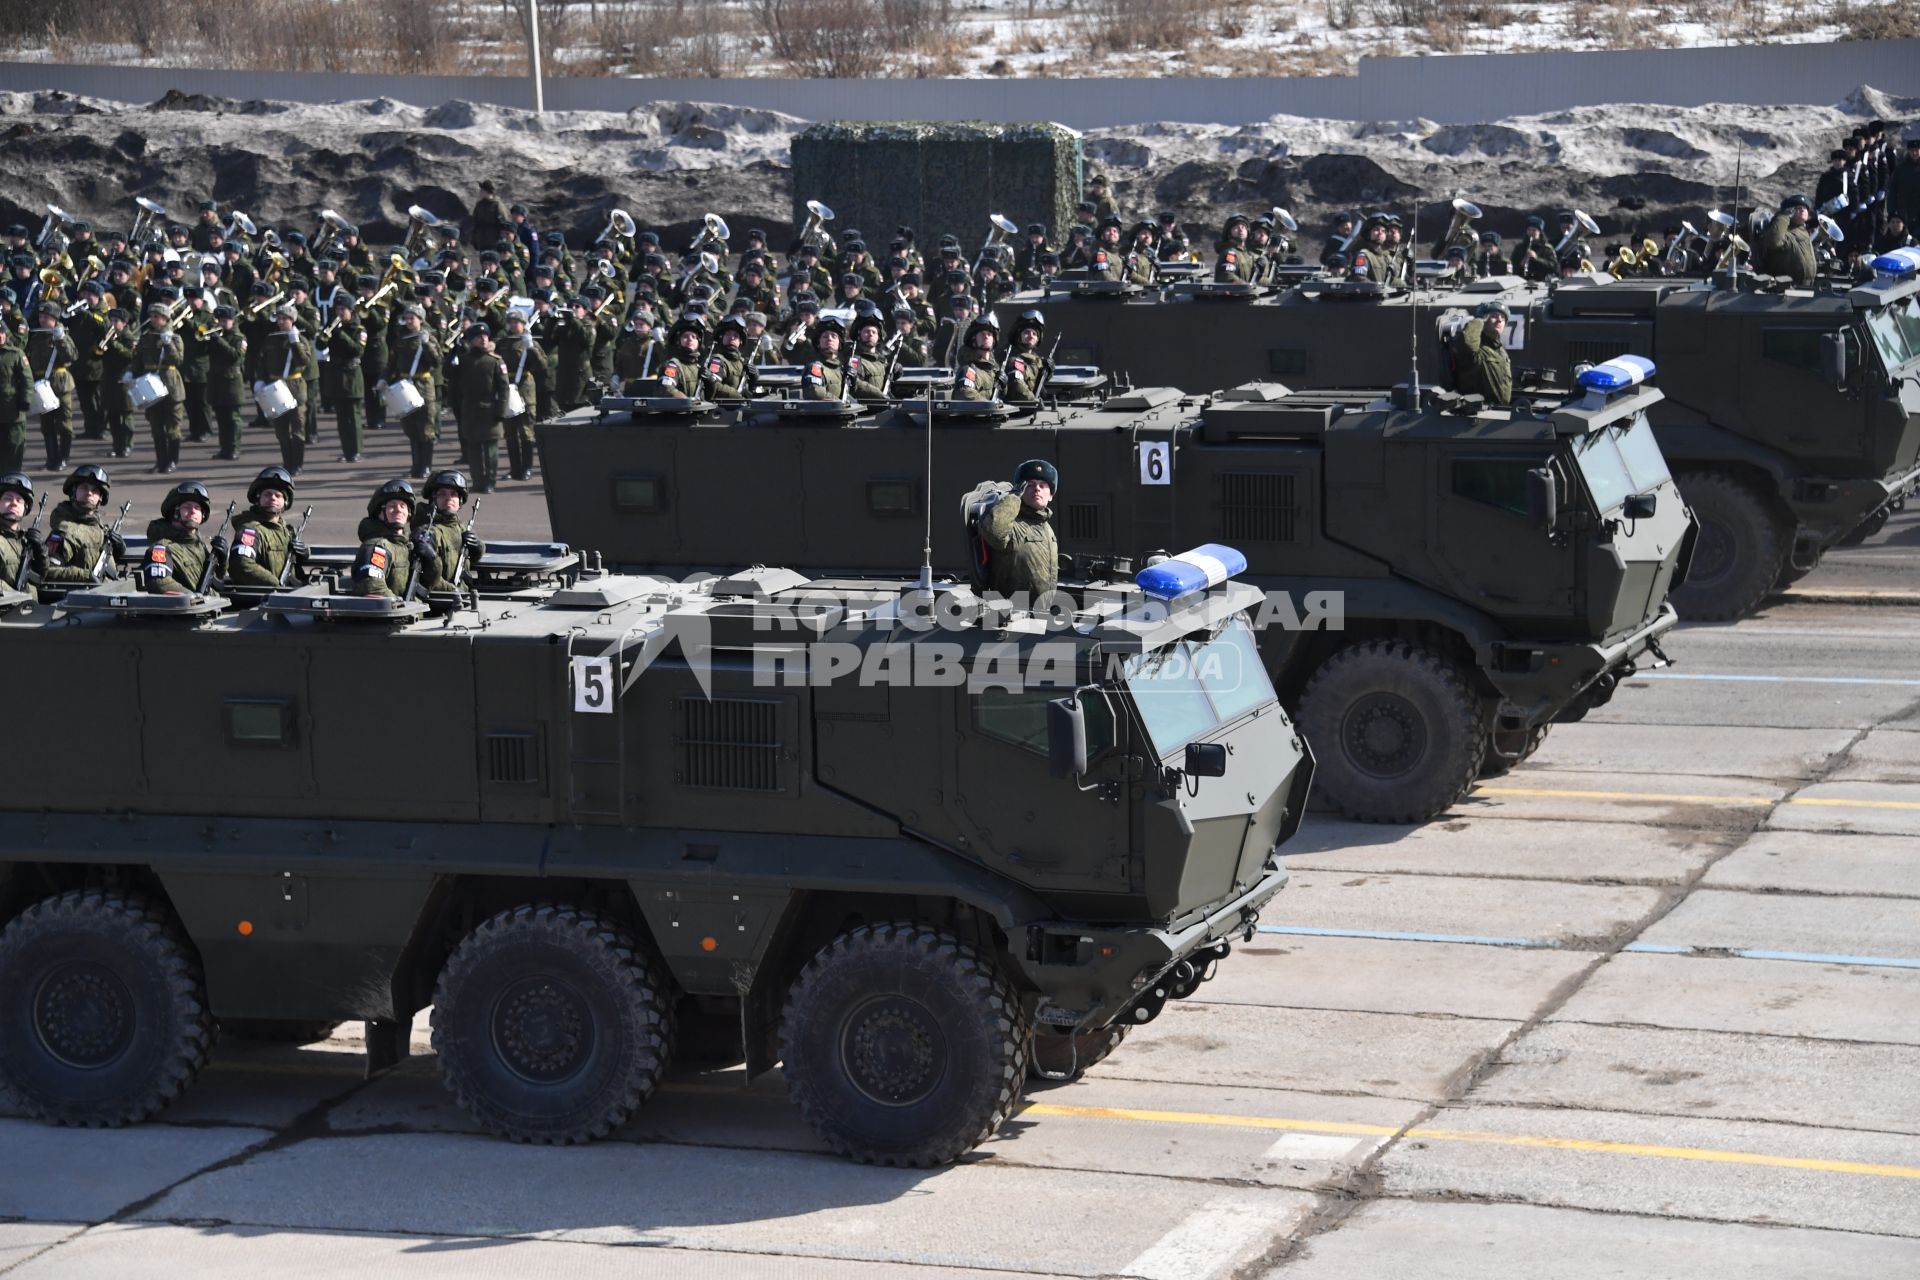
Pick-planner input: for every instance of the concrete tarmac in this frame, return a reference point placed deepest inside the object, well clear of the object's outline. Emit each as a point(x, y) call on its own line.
point(1649, 1005)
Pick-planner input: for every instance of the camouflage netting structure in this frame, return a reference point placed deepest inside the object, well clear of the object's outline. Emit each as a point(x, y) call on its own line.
point(937, 178)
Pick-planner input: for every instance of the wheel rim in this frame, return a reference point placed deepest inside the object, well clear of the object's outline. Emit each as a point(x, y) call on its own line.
point(1385, 735)
point(543, 1029)
point(1712, 553)
point(893, 1050)
point(83, 1015)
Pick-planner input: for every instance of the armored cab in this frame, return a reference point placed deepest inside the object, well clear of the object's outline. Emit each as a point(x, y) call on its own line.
point(908, 842)
point(1446, 579)
point(1791, 418)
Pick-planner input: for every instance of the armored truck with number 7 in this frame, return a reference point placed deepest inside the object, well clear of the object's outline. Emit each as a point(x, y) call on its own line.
point(910, 842)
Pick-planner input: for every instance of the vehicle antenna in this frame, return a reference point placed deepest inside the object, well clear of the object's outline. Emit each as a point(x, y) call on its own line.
point(1413, 299)
point(1733, 251)
point(926, 543)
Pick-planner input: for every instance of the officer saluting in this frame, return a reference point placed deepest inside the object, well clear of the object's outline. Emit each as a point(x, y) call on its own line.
point(1016, 530)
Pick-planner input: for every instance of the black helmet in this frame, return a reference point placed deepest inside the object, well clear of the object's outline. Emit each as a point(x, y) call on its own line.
point(1031, 318)
point(271, 478)
point(986, 322)
point(689, 322)
point(733, 321)
point(18, 482)
point(191, 490)
point(387, 492)
point(831, 320)
point(449, 479)
point(89, 472)
point(1037, 469)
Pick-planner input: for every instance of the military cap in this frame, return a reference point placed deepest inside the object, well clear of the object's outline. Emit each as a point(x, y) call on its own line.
point(516, 208)
point(1143, 227)
point(949, 241)
point(852, 278)
point(15, 229)
point(433, 277)
point(1098, 177)
point(807, 250)
point(831, 320)
point(855, 246)
point(1455, 251)
point(733, 322)
point(754, 265)
point(1085, 206)
point(641, 315)
point(956, 277)
point(1836, 155)
point(477, 331)
point(235, 247)
point(912, 277)
point(554, 237)
point(486, 185)
point(214, 265)
point(1037, 469)
point(905, 233)
point(899, 262)
point(349, 229)
point(168, 292)
point(755, 233)
point(1797, 199)
point(21, 260)
point(849, 233)
point(1913, 142)
point(1048, 255)
point(81, 224)
point(120, 313)
point(261, 288)
point(1264, 220)
point(415, 310)
point(805, 302)
point(1565, 215)
point(206, 206)
point(541, 269)
point(1490, 237)
point(485, 284)
point(653, 237)
point(541, 295)
point(221, 312)
point(1231, 219)
point(287, 311)
point(757, 317)
point(486, 255)
point(156, 309)
point(48, 309)
point(1535, 220)
point(897, 245)
point(92, 286)
point(326, 264)
point(292, 237)
point(1112, 220)
point(1335, 261)
point(901, 311)
point(593, 291)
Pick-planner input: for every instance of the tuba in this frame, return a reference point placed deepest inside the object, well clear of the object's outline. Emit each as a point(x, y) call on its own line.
point(1581, 222)
point(150, 214)
point(420, 225)
point(1677, 253)
point(1465, 212)
point(241, 226)
point(714, 233)
point(818, 215)
point(1283, 219)
point(332, 227)
point(52, 240)
point(1830, 230)
point(620, 225)
point(994, 245)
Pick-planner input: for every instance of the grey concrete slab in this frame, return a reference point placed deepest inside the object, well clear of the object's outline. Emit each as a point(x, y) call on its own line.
point(1544, 849)
point(1713, 1169)
point(1868, 808)
point(266, 1087)
point(1882, 756)
point(246, 1253)
point(20, 1241)
point(1477, 1241)
point(1761, 705)
point(1790, 922)
point(1743, 752)
point(1657, 1071)
point(1769, 997)
point(1391, 976)
point(1673, 801)
point(88, 1175)
point(1389, 1055)
point(1545, 910)
point(1267, 1136)
point(1821, 862)
point(971, 1215)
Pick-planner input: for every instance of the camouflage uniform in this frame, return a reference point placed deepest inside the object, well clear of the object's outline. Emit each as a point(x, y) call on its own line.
point(1787, 250)
point(867, 370)
point(574, 340)
point(74, 545)
point(175, 559)
point(1024, 553)
point(385, 564)
point(1025, 368)
point(979, 380)
point(1482, 366)
point(346, 354)
point(262, 544)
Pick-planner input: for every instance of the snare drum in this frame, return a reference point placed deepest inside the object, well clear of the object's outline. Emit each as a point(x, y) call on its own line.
point(147, 389)
point(402, 398)
point(45, 398)
point(516, 404)
point(274, 399)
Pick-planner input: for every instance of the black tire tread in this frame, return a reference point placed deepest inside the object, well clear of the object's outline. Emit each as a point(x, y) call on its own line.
point(993, 996)
point(153, 931)
point(1466, 737)
point(629, 966)
point(1769, 556)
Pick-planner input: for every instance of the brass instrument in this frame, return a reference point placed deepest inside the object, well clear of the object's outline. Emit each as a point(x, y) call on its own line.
point(51, 238)
point(1465, 212)
point(811, 230)
point(1677, 251)
point(150, 215)
point(1002, 227)
point(619, 223)
point(332, 227)
point(1734, 246)
point(1581, 222)
point(243, 225)
point(1830, 230)
point(1290, 224)
point(713, 231)
point(254, 309)
point(419, 240)
point(1623, 262)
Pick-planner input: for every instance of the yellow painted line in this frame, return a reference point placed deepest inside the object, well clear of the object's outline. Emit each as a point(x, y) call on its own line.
point(1746, 802)
point(1704, 1154)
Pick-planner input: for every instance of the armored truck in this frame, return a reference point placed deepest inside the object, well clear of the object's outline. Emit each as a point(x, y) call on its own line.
point(911, 840)
point(1791, 418)
point(1447, 579)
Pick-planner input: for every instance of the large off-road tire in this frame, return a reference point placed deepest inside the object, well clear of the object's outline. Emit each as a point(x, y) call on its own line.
point(1057, 1057)
point(1396, 729)
point(903, 1045)
point(103, 1010)
point(276, 1030)
point(1522, 743)
point(1740, 552)
point(551, 1024)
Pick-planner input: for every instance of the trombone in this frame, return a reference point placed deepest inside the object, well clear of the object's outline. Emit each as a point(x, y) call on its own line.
point(620, 225)
point(151, 213)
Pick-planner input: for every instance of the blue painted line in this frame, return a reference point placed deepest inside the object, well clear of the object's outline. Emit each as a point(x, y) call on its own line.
point(1642, 948)
point(1387, 935)
point(1695, 675)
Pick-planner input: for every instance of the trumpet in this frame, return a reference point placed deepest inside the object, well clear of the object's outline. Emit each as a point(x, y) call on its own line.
point(1580, 222)
point(620, 224)
point(255, 309)
point(150, 214)
point(332, 227)
point(817, 216)
point(420, 223)
point(713, 232)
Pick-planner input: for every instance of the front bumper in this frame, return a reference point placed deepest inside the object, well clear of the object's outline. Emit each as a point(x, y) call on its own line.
point(1088, 976)
point(1540, 683)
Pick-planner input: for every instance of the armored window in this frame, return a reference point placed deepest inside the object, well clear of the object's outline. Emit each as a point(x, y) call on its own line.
point(1287, 362)
point(637, 493)
point(1257, 507)
point(1498, 482)
point(890, 497)
point(1799, 348)
point(730, 744)
point(259, 722)
point(1021, 718)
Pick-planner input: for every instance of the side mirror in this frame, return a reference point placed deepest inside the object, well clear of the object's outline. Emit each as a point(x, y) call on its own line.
point(1206, 760)
point(1066, 738)
point(1640, 506)
point(1543, 498)
point(1833, 357)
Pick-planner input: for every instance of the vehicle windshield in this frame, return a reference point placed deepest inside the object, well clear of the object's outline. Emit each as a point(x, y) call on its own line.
point(1620, 461)
point(1895, 331)
point(1188, 689)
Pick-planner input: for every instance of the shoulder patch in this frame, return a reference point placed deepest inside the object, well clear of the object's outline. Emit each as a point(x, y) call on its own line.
point(1019, 365)
point(715, 365)
point(1231, 257)
point(816, 369)
point(669, 371)
point(248, 543)
point(55, 543)
point(969, 375)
